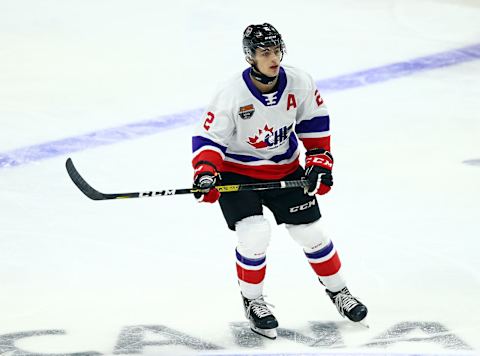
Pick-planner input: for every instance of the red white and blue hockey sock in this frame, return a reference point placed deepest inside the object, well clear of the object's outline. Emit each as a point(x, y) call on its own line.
point(326, 264)
point(251, 273)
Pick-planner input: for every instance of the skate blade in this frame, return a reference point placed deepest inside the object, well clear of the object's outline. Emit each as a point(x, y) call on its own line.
point(364, 323)
point(361, 322)
point(268, 333)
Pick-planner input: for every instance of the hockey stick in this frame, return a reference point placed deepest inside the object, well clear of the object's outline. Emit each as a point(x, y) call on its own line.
point(94, 194)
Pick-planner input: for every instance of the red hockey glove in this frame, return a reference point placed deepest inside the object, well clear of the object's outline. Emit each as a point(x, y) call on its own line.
point(205, 178)
point(318, 171)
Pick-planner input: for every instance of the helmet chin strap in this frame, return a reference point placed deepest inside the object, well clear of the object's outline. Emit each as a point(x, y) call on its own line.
point(262, 78)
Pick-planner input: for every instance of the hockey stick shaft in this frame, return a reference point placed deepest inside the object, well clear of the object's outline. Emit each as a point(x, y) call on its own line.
point(94, 194)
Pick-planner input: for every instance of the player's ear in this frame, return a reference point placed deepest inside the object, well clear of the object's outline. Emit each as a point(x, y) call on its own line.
point(250, 60)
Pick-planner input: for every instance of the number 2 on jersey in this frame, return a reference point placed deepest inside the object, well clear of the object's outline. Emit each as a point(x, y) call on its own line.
point(318, 98)
point(208, 120)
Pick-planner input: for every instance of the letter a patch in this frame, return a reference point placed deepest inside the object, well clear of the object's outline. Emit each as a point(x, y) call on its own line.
point(291, 102)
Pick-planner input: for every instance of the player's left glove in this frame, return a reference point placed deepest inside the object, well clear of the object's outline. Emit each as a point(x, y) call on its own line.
point(318, 171)
point(205, 178)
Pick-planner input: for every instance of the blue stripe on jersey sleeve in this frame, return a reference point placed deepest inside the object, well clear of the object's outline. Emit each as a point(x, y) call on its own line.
point(200, 141)
point(316, 124)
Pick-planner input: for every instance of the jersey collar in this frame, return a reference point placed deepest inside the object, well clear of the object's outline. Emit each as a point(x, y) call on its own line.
point(267, 99)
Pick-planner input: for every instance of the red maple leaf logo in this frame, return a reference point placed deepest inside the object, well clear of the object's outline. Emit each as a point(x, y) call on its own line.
point(260, 140)
point(269, 129)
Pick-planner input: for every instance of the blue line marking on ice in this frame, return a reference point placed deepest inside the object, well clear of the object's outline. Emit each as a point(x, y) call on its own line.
point(98, 138)
point(472, 162)
point(109, 136)
point(400, 69)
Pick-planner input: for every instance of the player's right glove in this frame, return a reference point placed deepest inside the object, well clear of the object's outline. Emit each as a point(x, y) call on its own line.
point(318, 171)
point(205, 178)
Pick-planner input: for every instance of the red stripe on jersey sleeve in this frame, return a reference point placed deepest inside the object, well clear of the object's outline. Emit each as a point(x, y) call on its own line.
point(319, 142)
point(209, 156)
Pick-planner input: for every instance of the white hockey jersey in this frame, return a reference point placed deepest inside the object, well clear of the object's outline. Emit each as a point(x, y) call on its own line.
point(255, 134)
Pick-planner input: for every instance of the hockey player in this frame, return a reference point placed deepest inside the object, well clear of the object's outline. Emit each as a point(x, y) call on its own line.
point(249, 134)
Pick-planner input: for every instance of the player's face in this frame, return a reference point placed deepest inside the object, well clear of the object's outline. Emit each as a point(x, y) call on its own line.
point(268, 60)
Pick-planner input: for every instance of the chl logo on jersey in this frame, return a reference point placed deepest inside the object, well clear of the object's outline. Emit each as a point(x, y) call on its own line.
point(246, 112)
point(270, 138)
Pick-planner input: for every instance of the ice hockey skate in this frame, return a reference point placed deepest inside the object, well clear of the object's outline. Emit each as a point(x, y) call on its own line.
point(347, 305)
point(260, 317)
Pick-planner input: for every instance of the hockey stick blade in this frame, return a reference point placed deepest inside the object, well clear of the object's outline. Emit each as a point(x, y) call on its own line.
point(87, 189)
point(94, 194)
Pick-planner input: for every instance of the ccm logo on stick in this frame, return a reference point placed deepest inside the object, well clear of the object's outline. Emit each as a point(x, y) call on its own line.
point(303, 206)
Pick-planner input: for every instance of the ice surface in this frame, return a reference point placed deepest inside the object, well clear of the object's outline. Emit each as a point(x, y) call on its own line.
point(157, 276)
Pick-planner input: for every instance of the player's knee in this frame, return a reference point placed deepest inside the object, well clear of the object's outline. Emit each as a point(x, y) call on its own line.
point(310, 236)
point(253, 236)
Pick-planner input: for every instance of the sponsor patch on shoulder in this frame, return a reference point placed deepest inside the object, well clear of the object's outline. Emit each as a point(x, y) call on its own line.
point(246, 112)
